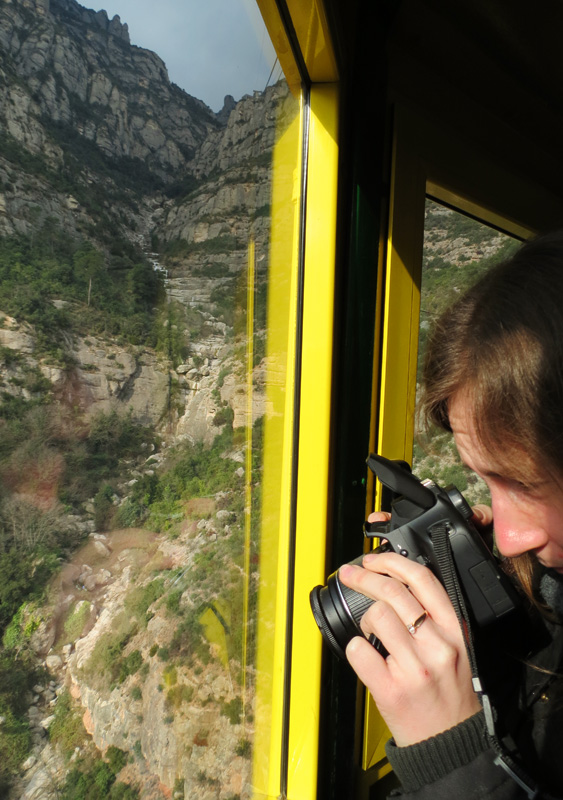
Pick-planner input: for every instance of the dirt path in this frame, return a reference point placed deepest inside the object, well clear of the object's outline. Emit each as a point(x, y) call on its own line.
point(127, 547)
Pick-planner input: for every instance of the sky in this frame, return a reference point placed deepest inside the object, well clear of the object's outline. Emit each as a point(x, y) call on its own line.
point(211, 48)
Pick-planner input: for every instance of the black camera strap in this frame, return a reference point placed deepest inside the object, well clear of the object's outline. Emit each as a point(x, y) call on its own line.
point(444, 557)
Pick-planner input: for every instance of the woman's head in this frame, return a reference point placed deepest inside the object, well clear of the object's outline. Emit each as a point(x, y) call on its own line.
point(494, 374)
point(500, 347)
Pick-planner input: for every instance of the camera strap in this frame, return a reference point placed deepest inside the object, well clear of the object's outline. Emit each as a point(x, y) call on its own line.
point(444, 557)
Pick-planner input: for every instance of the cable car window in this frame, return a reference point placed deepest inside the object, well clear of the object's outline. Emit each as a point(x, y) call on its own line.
point(457, 250)
point(148, 262)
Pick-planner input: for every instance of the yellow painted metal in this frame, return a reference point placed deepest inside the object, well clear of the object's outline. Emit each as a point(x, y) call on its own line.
point(314, 438)
point(403, 263)
point(280, 40)
point(314, 418)
point(277, 461)
point(310, 24)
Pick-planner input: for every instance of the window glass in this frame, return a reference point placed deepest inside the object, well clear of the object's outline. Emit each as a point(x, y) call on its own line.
point(148, 261)
point(457, 250)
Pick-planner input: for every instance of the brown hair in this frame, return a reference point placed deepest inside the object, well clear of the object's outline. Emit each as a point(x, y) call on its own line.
point(501, 345)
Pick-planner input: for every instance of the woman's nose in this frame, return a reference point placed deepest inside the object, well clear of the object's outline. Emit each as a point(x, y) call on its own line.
point(517, 529)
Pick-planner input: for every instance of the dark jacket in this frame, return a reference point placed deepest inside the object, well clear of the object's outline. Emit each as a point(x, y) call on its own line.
point(524, 673)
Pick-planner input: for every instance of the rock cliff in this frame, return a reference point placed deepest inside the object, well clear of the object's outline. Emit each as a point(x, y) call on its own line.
point(78, 69)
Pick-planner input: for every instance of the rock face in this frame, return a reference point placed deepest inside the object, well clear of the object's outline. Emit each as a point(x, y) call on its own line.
point(104, 377)
point(80, 101)
point(80, 70)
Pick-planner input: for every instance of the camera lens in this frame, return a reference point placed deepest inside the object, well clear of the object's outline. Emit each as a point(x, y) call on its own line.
point(338, 610)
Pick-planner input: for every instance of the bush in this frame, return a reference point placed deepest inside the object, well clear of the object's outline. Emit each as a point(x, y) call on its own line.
point(233, 710)
point(15, 744)
point(173, 601)
point(179, 694)
point(98, 781)
point(116, 758)
point(67, 729)
point(76, 620)
point(22, 577)
point(224, 416)
point(243, 748)
point(103, 508)
point(130, 665)
point(139, 600)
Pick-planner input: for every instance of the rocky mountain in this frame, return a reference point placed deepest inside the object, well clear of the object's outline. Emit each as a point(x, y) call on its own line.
point(76, 68)
point(91, 120)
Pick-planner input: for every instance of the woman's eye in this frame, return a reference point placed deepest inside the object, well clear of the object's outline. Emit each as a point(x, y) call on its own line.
point(529, 488)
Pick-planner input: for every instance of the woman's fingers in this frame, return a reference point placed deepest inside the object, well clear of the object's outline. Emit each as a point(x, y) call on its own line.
point(379, 516)
point(424, 686)
point(482, 515)
point(421, 583)
point(395, 610)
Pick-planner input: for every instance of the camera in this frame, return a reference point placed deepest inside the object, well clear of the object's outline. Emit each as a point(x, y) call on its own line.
point(420, 510)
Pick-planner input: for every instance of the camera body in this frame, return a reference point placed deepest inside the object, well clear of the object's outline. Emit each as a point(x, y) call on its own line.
point(418, 510)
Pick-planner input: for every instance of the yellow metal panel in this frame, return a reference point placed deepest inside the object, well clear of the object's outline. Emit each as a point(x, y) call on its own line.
point(309, 20)
point(277, 463)
point(280, 40)
point(311, 29)
point(314, 438)
point(402, 300)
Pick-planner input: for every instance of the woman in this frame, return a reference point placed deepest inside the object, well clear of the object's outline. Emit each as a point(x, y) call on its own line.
point(494, 377)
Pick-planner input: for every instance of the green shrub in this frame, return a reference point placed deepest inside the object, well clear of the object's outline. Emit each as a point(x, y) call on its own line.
point(163, 653)
point(139, 600)
point(179, 694)
point(233, 710)
point(67, 730)
point(103, 508)
point(173, 601)
point(22, 578)
point(243, 748)
point(130, 665)
point(116, 758)
point(76, 620)
point(98, 781)
point(15, 744)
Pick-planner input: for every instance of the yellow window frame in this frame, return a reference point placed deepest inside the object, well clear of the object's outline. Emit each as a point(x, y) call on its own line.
point(296, 475)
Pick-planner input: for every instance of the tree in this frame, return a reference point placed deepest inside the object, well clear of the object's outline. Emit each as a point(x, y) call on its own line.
point(89, 267)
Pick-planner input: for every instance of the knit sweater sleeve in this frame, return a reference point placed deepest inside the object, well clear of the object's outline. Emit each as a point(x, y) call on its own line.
point(432, 759)
point(458, 764)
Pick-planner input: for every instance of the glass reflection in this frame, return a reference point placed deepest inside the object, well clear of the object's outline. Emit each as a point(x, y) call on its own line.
point(148, 262)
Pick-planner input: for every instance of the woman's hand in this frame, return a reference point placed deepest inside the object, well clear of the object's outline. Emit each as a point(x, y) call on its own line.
point(424, 686)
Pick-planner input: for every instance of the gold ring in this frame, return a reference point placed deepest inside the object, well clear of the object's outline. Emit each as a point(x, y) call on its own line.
point(413, 627)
